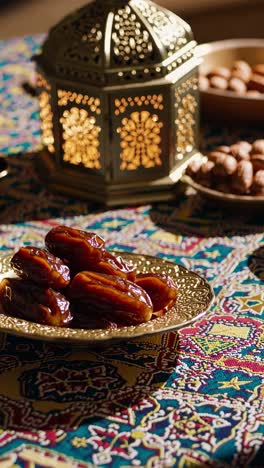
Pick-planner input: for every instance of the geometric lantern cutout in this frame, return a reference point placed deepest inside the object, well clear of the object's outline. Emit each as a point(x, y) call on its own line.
point(119, 107)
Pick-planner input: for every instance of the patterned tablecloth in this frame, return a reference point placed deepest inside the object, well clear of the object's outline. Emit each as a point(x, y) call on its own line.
point(193, 399)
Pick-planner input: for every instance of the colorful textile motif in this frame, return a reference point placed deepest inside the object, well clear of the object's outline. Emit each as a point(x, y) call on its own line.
point(193, 399)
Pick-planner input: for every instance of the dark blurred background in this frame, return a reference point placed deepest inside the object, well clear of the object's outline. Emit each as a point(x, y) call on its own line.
point(210, 19)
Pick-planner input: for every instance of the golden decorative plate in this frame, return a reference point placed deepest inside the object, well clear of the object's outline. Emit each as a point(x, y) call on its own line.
point(194, 299)
point(225, 198)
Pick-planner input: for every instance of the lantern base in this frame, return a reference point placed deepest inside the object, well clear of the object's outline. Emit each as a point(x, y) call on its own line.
point(76, 184)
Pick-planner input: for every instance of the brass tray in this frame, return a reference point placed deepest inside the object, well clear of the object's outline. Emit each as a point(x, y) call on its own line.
point(233, 200)
point(194, 300)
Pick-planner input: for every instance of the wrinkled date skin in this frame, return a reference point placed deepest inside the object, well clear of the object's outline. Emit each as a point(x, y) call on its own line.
point(117, 266)
point(40, 266)
point(80, 248)
point(23, 299)
point(112, 297)
point(161, 290)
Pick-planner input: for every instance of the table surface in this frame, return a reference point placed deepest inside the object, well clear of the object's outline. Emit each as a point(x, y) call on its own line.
point(193, 399)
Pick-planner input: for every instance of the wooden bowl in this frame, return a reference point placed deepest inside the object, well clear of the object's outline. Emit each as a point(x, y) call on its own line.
point(247, 204)
point(228, 105)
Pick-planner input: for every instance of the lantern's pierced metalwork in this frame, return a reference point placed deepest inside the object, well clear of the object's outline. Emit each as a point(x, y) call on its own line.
point(118, 93)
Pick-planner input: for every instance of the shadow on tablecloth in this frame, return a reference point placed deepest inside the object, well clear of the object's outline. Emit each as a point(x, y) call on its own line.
point(192, 215)
point(45, 386)
point(23, 197)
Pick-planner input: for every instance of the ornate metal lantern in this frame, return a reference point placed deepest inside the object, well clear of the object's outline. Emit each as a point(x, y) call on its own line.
point(117, 86)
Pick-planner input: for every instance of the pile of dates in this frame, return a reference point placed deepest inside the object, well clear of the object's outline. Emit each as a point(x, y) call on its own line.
point(75, 282)
point(240, 78)
point(237, 169)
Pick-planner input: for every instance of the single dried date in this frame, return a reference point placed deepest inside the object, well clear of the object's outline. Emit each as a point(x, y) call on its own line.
point(223, 149)
point(41, 267)
point(161, 290)
point(258, 183)
point(117, 266)
point(26, 300)
point(243, 178)
point(257, 162)
point(111, 297)
point(223, 72)
point(256, 83)
point(258, 146)
point(241, 150)
point(241, 70)
point(218, 82)
point(216, 156)
point(225, 167)
point(204, 175)
point(237, 85)
point(80, 248)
